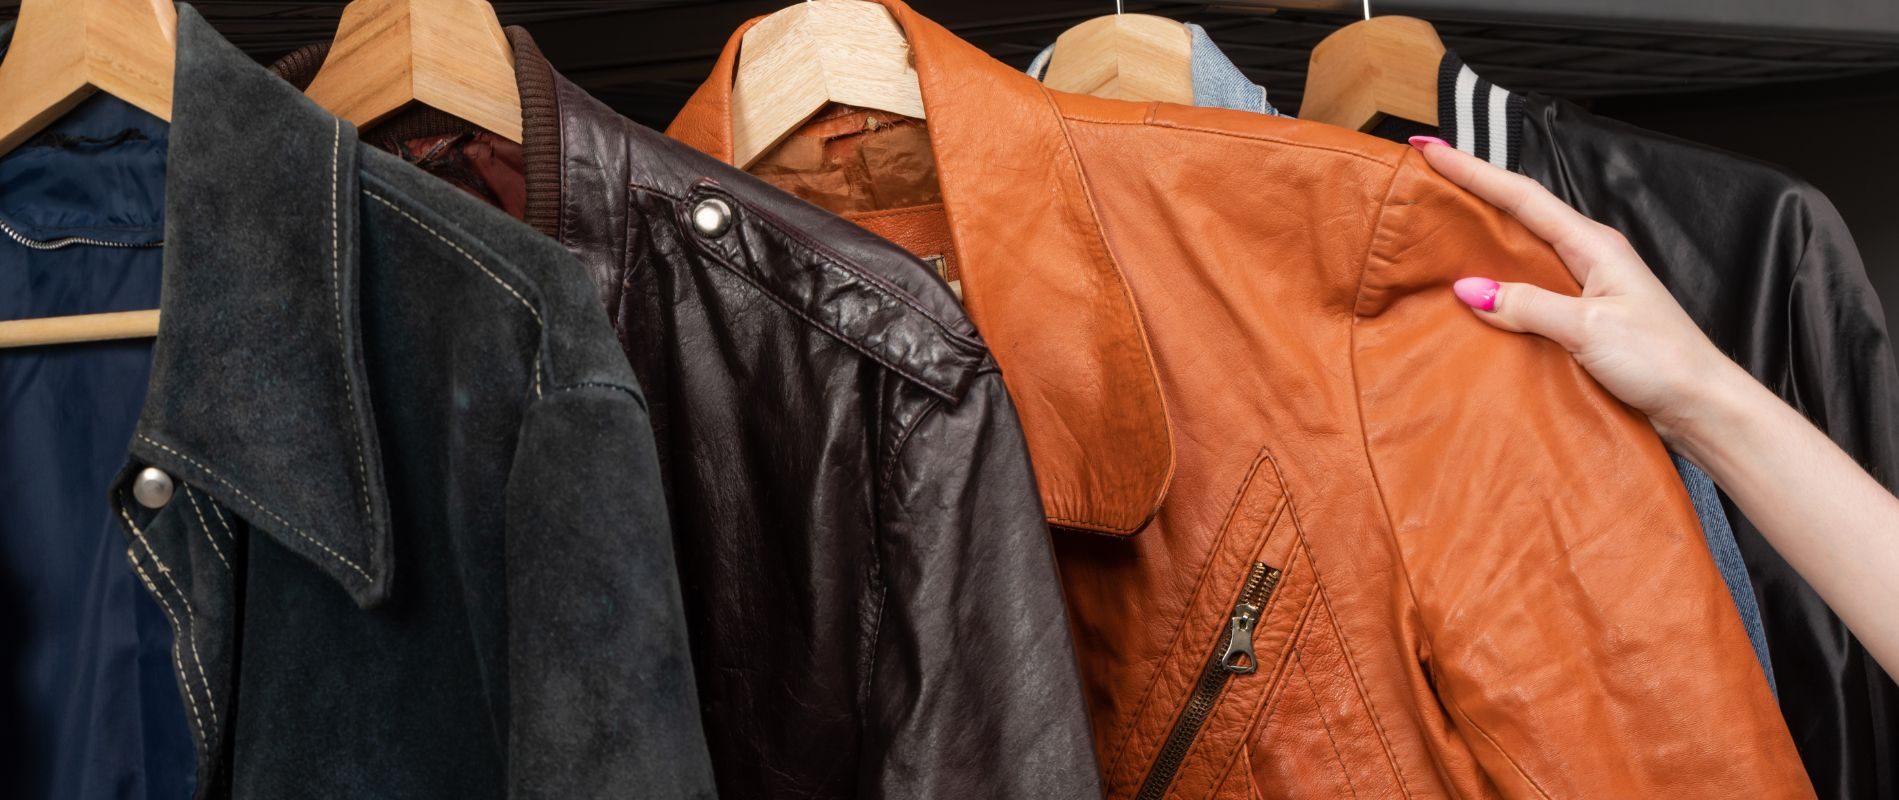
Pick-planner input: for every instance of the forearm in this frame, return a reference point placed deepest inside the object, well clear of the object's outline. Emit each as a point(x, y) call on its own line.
point(1818, 508)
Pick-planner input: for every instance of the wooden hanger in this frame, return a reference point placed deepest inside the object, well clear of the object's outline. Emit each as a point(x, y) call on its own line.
point(1380, 67)
point(797, 61)
point(449, 55)
point(1125, 57)
point(62, 52)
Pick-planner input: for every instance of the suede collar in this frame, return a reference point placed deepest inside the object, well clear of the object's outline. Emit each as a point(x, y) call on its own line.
point(1038, 277)
point(258, 392)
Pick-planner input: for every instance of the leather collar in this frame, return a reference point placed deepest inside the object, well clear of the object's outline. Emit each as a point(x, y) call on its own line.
point(1038, 277)
point(258, 392)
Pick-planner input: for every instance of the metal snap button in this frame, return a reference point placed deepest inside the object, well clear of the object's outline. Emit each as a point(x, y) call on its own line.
point(152, 488)
point(712, 217)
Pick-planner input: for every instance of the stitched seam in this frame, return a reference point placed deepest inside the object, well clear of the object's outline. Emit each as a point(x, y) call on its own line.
point(1126, 123)
point(189, 629)
point(465, 254)
point(207, 528)
point(1371, 467)
point(336, 296)
point(254, 504)
point(876, 632)
point(1252, 137)
point(909, 375)
point(1320, 715)
point(191, 698)
point(219, 513)
point(1127, 296)
point(1321, 596)
point(1180, 625)
point(819, 250)
point(927, 209)
point(570, 387)
point(1452, 702)
point(903, 440)
point(719, 257)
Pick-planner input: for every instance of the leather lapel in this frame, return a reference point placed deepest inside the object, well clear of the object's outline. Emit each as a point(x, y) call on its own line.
point(1038, 278)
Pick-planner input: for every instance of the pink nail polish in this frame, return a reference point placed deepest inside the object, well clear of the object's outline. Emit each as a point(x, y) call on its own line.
point(1421, 142)
point(1478, 293)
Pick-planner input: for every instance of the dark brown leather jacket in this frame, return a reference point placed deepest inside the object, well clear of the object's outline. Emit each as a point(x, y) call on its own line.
point(870, 588)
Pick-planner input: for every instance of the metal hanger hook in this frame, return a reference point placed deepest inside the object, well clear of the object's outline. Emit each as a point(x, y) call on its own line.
point(1368, 9)
point(1117, 8)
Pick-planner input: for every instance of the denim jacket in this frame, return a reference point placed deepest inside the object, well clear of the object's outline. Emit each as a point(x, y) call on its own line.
point(393, 483)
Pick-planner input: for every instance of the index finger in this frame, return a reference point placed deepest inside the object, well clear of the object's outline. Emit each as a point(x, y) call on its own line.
point(1542, 213)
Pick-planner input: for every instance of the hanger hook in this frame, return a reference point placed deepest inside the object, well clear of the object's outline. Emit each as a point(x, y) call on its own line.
point(1117, 8)
point(1367, 9)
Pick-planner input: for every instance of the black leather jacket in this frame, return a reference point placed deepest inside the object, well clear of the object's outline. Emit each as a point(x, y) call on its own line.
point(1762, 261)
point(393, 483)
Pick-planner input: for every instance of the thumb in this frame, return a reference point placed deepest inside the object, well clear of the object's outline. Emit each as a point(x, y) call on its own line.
point(1523, 308)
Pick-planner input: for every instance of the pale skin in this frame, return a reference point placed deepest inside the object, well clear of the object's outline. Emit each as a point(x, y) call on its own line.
point(1831, 521)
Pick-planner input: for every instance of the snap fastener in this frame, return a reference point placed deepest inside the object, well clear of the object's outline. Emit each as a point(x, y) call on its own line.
point(712, 217)
point(152, 488)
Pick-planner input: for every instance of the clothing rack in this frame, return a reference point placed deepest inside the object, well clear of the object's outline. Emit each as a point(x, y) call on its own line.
point(1870, 21)
point(644, 58)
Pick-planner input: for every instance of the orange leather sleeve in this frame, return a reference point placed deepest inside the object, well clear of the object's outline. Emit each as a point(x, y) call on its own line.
point(1564, 604)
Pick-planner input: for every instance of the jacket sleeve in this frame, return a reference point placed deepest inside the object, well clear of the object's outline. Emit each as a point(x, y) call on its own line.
point(1567, 612)
point(974, 690)
point(601, 698)
point(1842, 366)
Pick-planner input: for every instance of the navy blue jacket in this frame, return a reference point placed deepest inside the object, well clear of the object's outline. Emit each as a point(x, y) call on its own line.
point(89, 709)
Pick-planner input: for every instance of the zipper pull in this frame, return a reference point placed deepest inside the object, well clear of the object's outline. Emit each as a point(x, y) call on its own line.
point(1239, 658)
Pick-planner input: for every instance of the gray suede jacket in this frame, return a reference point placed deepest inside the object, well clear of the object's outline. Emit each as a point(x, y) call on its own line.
point(394, 482)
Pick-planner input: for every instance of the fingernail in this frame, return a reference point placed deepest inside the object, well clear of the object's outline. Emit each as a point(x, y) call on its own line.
point(1421, 142)
point(1478, 293)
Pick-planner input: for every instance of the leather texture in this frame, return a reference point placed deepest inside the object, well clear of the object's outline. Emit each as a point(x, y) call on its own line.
point(1489, 582)
point(870, 587)
point(1772, 274)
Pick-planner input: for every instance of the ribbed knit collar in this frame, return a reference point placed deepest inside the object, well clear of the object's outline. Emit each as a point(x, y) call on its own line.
point(1477, 116)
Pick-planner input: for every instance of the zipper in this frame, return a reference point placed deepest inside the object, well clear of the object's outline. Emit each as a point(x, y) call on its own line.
point(65, 242)
point(1233, 655)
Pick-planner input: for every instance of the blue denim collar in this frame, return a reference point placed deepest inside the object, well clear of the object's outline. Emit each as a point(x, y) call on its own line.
point(258, 393)
point(1217, 81)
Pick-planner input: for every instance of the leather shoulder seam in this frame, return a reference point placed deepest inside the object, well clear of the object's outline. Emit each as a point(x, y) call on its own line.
point(966, 370)
point(1231, 134)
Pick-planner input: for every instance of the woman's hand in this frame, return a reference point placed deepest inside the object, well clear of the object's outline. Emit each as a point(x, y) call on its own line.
point(1625, 329)
point(1818, 508)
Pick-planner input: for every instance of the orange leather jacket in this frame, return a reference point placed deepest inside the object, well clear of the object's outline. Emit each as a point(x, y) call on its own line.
point(1326, 535)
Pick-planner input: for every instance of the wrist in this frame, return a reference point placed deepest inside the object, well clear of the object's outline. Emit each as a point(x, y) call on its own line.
point(1712, 407)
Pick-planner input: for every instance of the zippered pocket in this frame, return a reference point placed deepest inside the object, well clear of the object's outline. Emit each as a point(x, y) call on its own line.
point(1230, 641)
point(1234, 656)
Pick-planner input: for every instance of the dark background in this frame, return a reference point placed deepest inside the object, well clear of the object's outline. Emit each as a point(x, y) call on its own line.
point(1811, 85)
